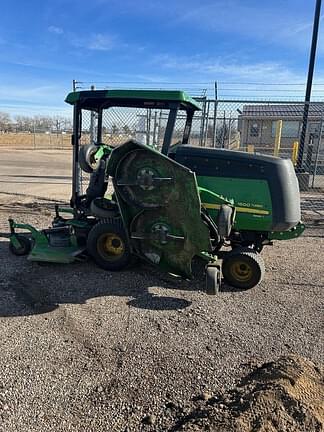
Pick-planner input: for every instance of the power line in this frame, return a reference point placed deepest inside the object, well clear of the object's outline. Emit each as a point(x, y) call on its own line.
point(145, 82)
point(270, 90)
point(269, 84)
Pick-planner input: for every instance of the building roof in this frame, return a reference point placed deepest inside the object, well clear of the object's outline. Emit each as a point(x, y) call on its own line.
point(94, 99)
point(316, 110)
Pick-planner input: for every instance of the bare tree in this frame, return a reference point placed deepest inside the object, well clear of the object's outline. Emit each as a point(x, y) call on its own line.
point(127, 130)
point(114, 129)
point(40, 123)
point(5, 122)
point(24, 124)
point(225, 130)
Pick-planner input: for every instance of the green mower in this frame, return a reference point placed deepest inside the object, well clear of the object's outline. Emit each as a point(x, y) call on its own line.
point(170, 207)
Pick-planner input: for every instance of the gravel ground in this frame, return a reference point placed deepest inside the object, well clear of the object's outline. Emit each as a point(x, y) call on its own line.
point(84, 349)
point(87, 350)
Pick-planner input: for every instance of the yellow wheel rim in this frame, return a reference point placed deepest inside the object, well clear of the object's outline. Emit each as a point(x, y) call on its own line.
point(241, 271)
point(111, 246)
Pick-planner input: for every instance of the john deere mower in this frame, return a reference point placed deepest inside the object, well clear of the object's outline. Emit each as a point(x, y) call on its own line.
point(167, 207)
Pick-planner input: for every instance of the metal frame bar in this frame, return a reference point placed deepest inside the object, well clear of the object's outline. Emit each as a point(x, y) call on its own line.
point(99, 126)
point(75, 162)
point(317, 152)
point(187, 129)
point(169, 128)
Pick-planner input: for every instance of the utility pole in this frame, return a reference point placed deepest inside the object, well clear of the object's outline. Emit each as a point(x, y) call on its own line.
point(299, 165)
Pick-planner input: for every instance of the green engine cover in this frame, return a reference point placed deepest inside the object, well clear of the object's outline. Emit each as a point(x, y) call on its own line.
point(252, 201)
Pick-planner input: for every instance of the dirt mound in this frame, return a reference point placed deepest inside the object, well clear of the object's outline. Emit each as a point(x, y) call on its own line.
point(284, 395)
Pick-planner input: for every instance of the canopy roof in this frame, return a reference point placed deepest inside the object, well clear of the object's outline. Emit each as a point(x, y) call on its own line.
point(162, 99)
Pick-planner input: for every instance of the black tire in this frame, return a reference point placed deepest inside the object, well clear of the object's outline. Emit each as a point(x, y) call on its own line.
point(86, 160)
point(25, 246)
point(81, 235)
point(108, 245)
point(213, 280)
point(224, 221)
point(243, 268)
point(103, 208)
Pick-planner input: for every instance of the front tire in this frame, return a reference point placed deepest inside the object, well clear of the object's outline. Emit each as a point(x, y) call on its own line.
point(243, 268)
point(108, 245)
point(23, 249)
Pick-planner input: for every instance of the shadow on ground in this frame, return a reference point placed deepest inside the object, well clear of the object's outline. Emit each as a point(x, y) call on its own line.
point(30, 288)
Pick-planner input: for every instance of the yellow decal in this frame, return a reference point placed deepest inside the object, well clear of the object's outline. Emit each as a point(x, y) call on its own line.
point(238, 209)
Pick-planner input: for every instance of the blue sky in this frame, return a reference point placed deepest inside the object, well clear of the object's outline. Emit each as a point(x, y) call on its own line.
point(46, 44)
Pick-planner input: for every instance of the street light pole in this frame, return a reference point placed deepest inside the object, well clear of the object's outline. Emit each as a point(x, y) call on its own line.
point(299, 165)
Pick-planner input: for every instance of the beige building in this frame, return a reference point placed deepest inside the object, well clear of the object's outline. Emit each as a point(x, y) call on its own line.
point(257, 125)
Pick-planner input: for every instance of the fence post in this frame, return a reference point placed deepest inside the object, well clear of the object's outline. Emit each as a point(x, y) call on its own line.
point(206, 124)
point(92, 122)
point(202, 124)
point(154, 130)
point(159, 129)
point(34, 136)
point(294, 153)
point(317, 152)
point(148, 127)
point(278, 138)
point(229, 131)
point(215, 122)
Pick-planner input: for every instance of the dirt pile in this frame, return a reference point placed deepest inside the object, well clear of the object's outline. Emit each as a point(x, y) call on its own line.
point(284, 395)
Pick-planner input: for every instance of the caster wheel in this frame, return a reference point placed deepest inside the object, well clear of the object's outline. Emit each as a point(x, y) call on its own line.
point(23, 248)
point(213, 280)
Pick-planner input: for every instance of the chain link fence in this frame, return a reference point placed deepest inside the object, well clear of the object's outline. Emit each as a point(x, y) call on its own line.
point(254, 126)
point(38, 139)
point(275, 128)
point(272, 128)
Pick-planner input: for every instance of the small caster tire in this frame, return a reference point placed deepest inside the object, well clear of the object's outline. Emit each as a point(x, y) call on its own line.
point(213, 280)
point(25, 246)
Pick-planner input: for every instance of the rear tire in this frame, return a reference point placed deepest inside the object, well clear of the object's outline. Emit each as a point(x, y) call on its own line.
point(108, 245)
point(25, 246)
point(243, 268)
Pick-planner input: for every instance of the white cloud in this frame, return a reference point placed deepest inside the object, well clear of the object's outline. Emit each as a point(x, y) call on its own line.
point(215, 67)
point(29, 100)
point(56, 30)
point(285, 26)
point(101, 42)
point(239, 79)
point(30, 93)
point(95, 42)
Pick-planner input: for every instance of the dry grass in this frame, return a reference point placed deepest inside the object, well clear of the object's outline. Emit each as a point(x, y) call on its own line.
point(25, 140)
